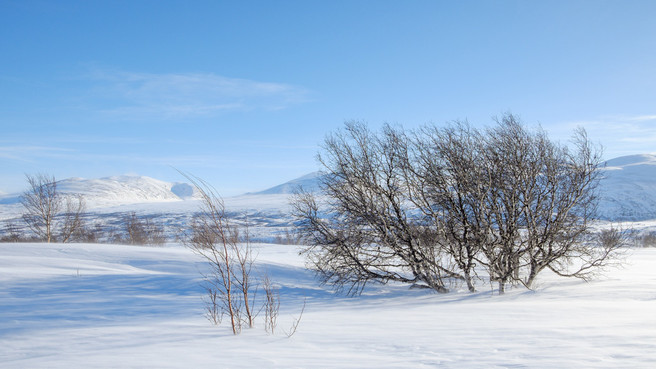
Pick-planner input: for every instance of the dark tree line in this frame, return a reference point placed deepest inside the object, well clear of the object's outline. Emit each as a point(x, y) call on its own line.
point(432, 205)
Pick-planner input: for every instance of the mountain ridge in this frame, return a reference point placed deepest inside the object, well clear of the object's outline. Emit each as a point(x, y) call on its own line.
point(308, 182)
point(117, 190)
point(627, 190)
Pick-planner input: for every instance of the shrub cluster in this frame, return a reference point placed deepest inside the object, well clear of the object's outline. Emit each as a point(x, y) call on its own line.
point(429, 206)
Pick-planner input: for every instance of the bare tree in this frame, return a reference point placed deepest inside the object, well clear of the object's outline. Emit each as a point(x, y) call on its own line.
point(245, 261)
point(228, 282)
point(271, 305)
point(433, 205)
point(446, 184)
point(294, 326)
point(51, 216)
point(541, 202)
point(142, 231)
point(73, 222)
point(648, 239)
point(369, 233)
point(11, 232)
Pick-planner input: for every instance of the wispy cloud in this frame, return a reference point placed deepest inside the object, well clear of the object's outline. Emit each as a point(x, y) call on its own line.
point(621, 135)
point(176, 95)
point(31, 153)
point(278, 146)
point(643, 118)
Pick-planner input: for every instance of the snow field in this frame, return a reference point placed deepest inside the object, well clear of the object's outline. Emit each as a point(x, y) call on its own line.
point(108, 306)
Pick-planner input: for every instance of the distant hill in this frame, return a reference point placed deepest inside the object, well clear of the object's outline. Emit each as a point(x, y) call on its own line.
point(125, 189)
point(309, 183)
point(628, 190)
point(118, 190)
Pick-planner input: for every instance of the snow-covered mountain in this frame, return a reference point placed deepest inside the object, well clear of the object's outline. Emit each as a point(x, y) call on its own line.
point(124, 190)
point(118, 190)
point(628, 189)
point(628, 193)
point(308, 182)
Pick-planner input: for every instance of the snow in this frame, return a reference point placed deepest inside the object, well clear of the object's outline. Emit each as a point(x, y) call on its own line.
point(125, 189)
point(119, 195)
point(632, 160)
point(627, 193)
point(116, 191)
point(102, 306)
point(309, 183)
point(628, 189)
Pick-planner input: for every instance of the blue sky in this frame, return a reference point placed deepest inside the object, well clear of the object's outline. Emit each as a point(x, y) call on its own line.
point(242, 93)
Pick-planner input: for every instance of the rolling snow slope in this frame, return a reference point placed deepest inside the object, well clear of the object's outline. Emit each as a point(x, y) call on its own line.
point(107, 306)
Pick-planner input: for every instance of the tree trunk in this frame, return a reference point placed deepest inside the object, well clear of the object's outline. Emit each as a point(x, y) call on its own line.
point(531, 276)
point(470, 282)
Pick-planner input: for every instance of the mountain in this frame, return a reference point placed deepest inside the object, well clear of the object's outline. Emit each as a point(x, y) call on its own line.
point(124, 190)
point(627, 193)
point(628, 189)
point(117, 190)
point(309, 183)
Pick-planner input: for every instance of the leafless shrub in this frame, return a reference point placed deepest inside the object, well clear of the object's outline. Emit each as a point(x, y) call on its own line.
point(51, 216)
point(295, 323)
point(213, 306)
point(271, 305)
point(430, 206)
point(287, 237)
point(72, 217)
point(446, 183)
point(141, 231)
point(541, 202)
point(11, 232)
point(90, 234)
point(365, 231)
point(228, 282)
point(231, 283)
point(243, 254)
point(648, 239)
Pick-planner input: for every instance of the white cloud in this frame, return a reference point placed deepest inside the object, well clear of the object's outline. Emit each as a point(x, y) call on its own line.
point(642, 118)
point(620, 135)
point(188, 94)
point(30, 153)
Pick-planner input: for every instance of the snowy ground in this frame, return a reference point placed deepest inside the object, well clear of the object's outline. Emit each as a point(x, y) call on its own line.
point(106, 306)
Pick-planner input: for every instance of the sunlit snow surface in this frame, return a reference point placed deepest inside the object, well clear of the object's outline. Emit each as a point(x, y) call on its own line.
point(107, 306)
